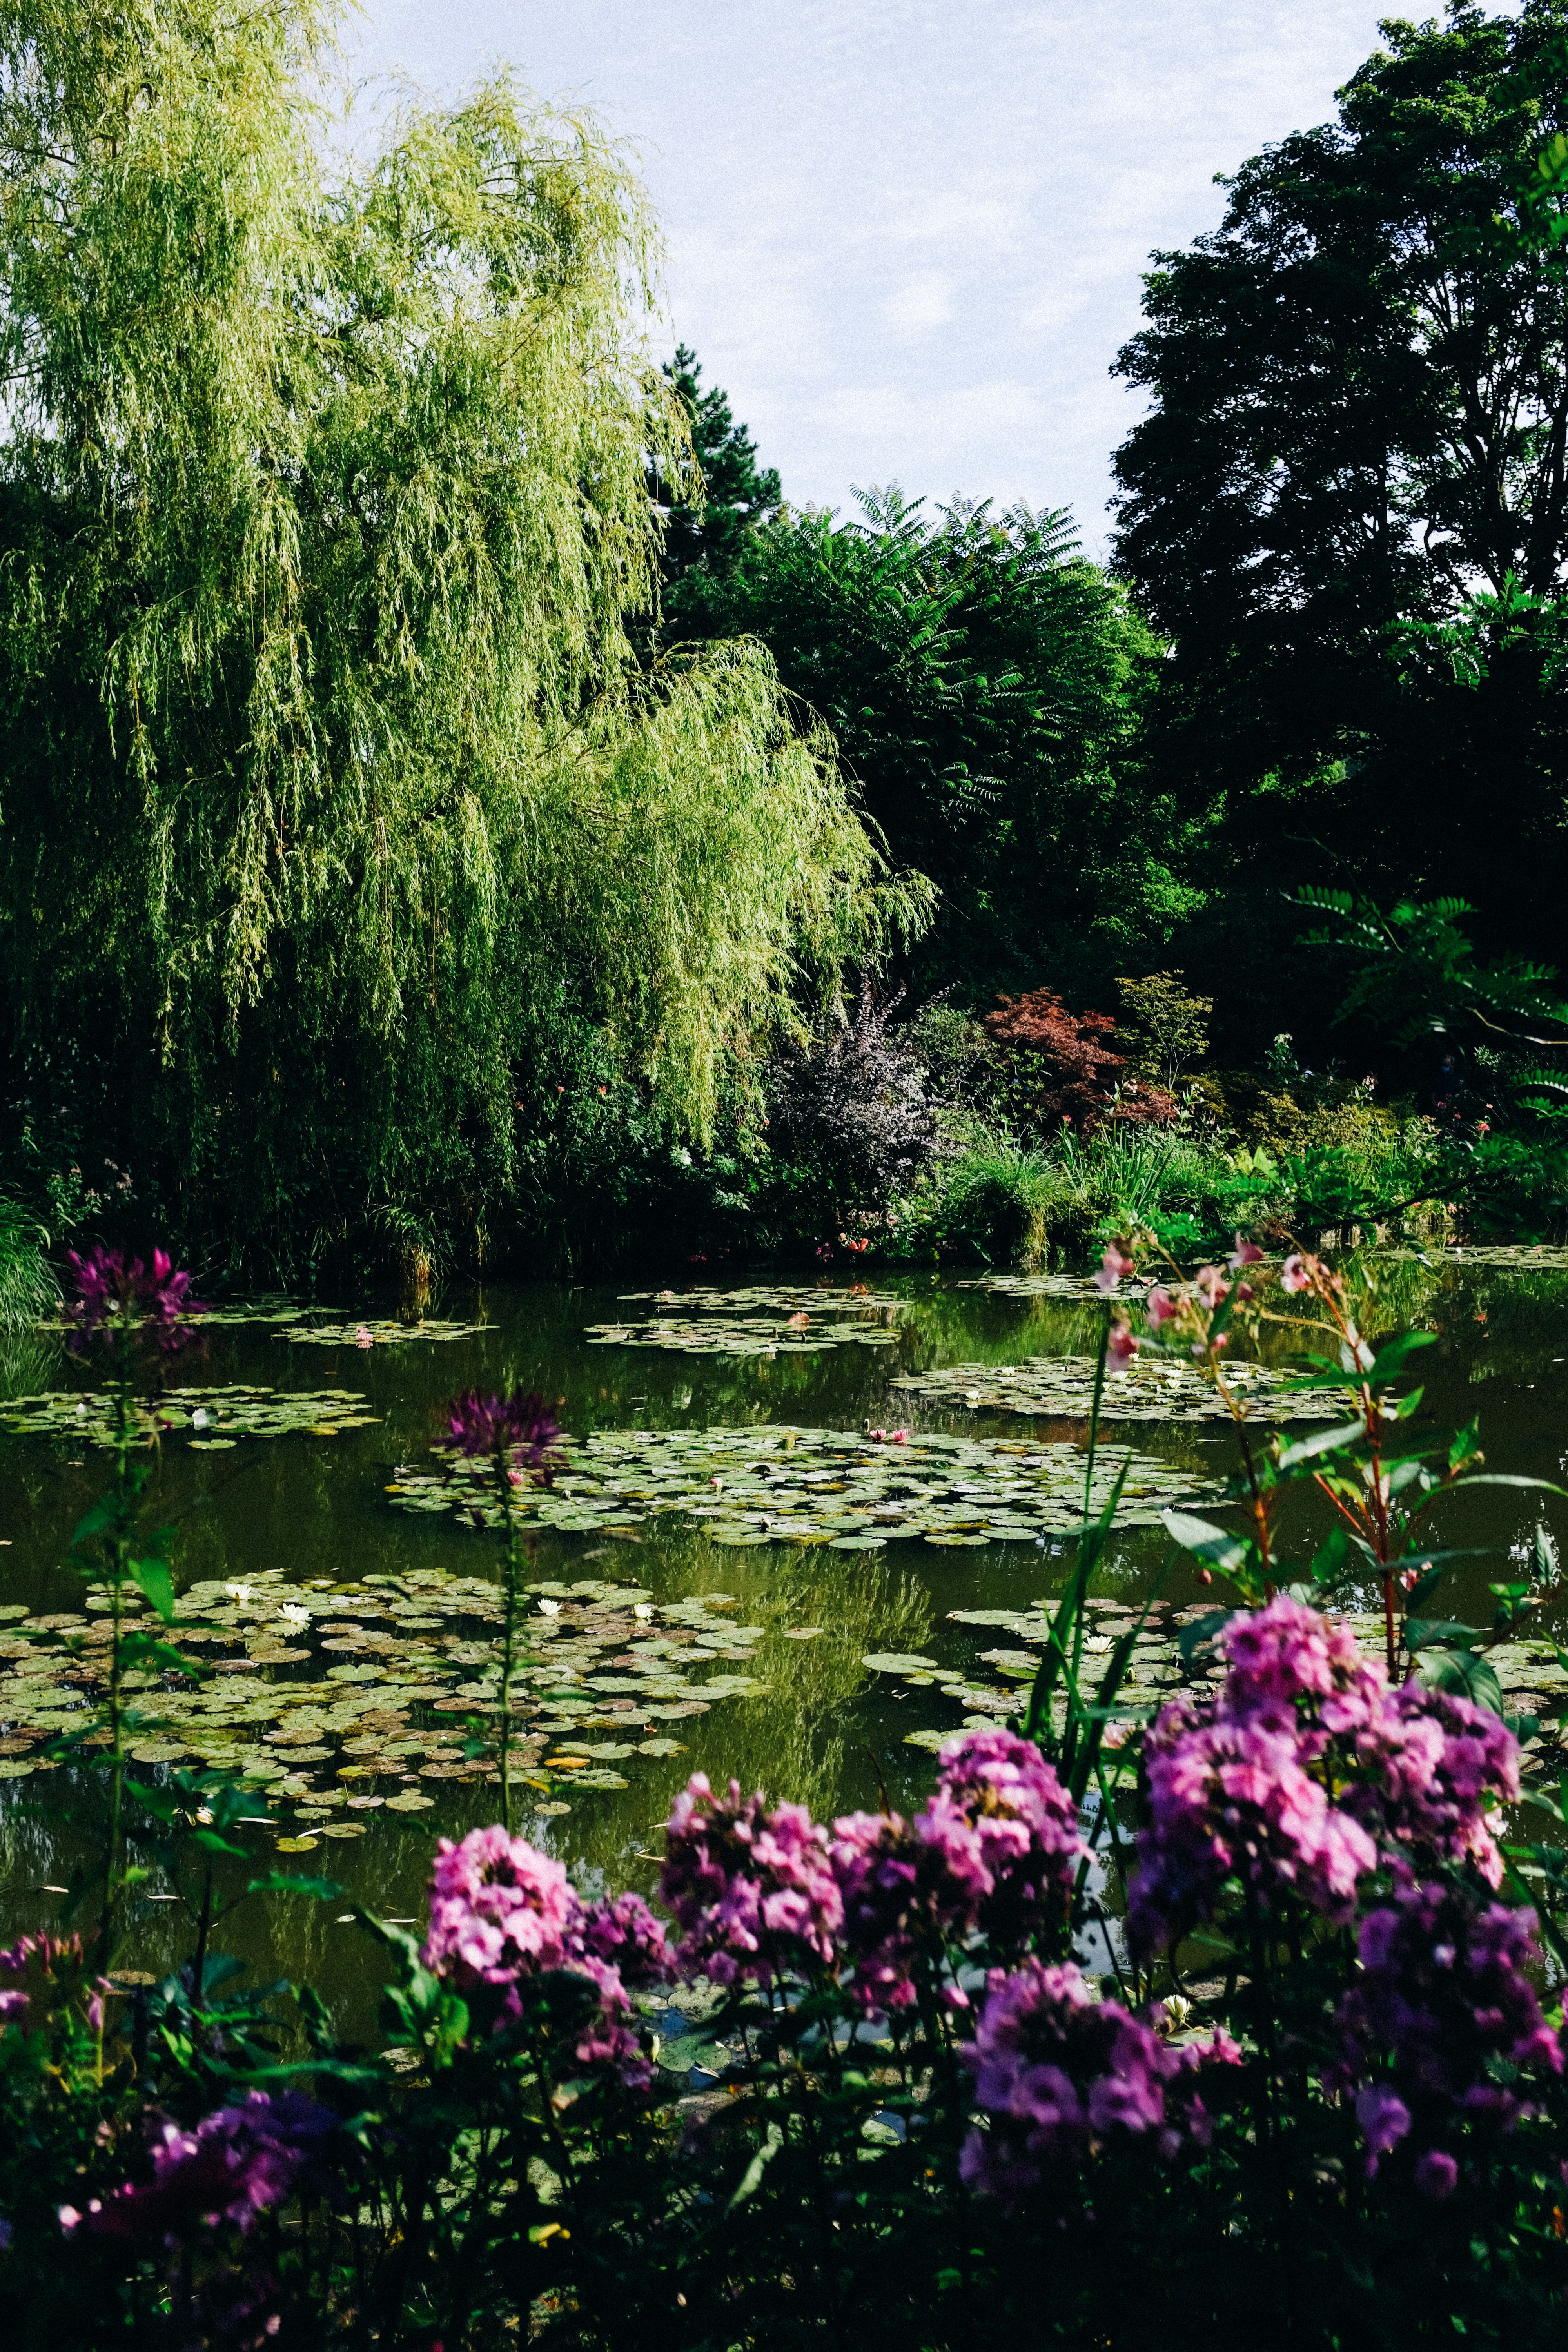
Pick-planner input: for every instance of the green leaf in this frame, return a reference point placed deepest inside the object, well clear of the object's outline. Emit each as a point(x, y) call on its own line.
point(1464, 1672)
point(752, 2178)
point(289, 1881)
point(1390, 1362)
point(153, 1577)
point(1436, 1633)
point(1203, 1630)
point(1219, 1546)
point(1545, 1559)
point(1343, 1434)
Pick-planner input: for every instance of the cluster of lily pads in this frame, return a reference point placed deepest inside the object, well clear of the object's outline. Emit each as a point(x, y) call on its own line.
point(1151, 1388)
point(376, 1331)
point(214, 1418)
point(1528, 1673)
point(347, 1700)
point(1058, 1285)
point(782, 1485)
point(758, 1321)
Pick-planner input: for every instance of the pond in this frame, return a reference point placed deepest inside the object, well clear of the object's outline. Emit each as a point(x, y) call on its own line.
point(744, 1569)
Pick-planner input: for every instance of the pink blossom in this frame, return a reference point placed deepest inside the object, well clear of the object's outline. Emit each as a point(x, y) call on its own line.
point(1433, 1765)
point(239, 2163)
point(1163, 1309)
point(751, 1891)
point(116, 1291)
point(1244, 1253)
point(1297, 1271)
point(497, 1906)
point(1115, 1267)
point(1211, 1286)
point(1122, 1346)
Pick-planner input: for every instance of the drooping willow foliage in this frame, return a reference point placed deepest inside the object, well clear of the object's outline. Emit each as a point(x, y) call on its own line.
point(331, 788)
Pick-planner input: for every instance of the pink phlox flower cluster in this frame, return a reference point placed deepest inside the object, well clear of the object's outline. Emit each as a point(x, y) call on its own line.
point(751, 1891)
point(1442, 1992)
point(1059, 2074)
point(624, 1934)
point(501, 1912)
point(1005, 1830)
point(1434, 1764)
point(879, 1865)
point(111, 1288)
point(1231, 1799)
point(497, 1906)
point(521, 1426)
point(237, 2164)
point(1287, 1653)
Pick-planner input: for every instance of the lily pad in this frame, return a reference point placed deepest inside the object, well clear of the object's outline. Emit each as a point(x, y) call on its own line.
point(377, 1332)
point(1154, 1387)
point(209, 1418)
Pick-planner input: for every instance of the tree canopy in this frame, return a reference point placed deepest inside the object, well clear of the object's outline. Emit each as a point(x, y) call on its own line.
point(1358, 421)
point(332, 789)
point(984, 684)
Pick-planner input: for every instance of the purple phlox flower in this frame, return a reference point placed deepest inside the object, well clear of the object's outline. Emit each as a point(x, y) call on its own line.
point(520, 1426)
point(239, 2163)
point(497, 1906)
point(1288, 1652)
point(890, 1905)
point(1434, 1764)
point(625, 1934)
point(1441, 1994)
point(114, 1289)
point(501, 1912)
point(1385, 2120)
point(1006, 1833)
point(1437, 2174)
point(1231, 1799)
point(1058, 2073)
point(751, 1891)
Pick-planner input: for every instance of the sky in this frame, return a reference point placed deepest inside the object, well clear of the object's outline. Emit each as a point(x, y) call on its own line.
point(907, 239)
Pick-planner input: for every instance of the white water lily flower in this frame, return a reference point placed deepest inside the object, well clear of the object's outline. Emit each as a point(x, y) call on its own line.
point(294, 1616)
point(643, 1611)
point(240, 1593)
point(550, 1609)
point(200, 1418)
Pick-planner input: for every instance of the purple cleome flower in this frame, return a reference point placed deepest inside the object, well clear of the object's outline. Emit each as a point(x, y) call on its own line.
point(114, 1291)
point(237, 2164)
point(1058, 2073)
point(519, 1426)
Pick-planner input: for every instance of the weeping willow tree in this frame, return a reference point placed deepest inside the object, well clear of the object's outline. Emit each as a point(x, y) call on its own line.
point(330, 781)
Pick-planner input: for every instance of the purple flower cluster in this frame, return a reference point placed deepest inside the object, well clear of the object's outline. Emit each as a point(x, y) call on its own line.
point(755, 1891)
point(521, 1427)
point(1240, 1790)
point(751, 1891)
point(113, 1289)
point(1441, 1995)
point(501, 1912)
point(995, 1850)
point(237, 2164)
point(1058, 2073)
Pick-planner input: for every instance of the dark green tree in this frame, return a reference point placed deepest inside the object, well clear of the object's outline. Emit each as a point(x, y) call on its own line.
point(1358, 419)
point(736, 492)
point(982, 683)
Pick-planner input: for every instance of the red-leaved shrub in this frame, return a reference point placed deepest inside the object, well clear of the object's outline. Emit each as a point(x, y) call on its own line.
point(1060, 1069)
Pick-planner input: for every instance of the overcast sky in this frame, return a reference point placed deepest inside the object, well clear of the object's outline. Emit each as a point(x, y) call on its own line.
point(906, 238)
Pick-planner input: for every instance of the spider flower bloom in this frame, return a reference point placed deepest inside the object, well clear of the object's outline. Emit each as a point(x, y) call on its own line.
point(751, 1891)
point(113, 1290)
point(522, 1427)
point(1059, 2074)
point(239, 2163)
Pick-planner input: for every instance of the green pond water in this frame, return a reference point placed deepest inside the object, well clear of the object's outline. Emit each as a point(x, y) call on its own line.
point(734, 1573)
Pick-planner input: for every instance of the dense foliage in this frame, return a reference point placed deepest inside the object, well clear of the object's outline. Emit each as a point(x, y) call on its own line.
point(335, 804)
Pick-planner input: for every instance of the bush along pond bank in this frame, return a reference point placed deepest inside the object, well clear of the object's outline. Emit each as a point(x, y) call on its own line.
point(1214, 1985)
